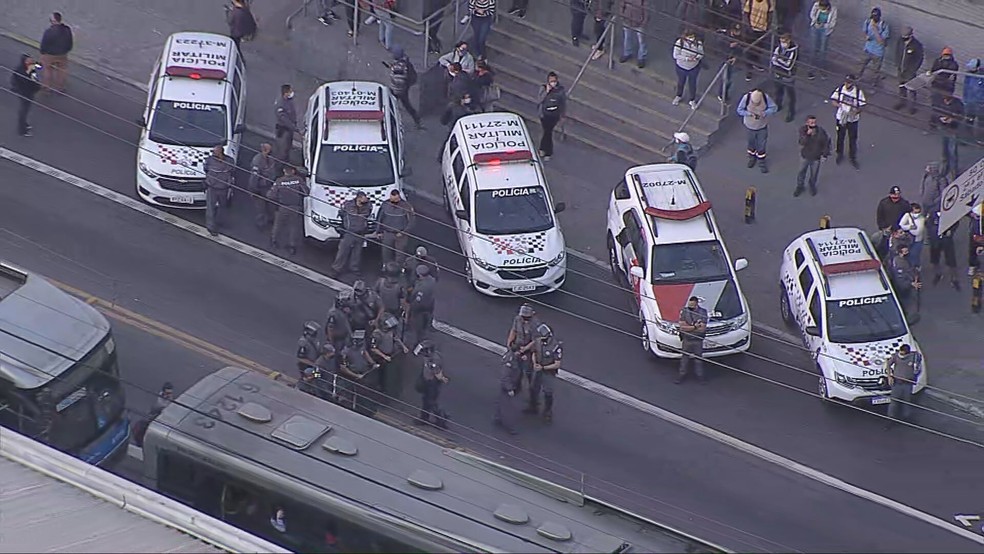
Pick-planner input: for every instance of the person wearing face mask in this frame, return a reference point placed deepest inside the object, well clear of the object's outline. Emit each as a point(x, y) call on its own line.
point(784, 60)
point(459, 82)
point(455, 111)
point(849, 101)
point(355, 214)
point(551, 105)
point(459, 55)
point(973, 97)
point(876, 38)
point(520, 340)
point(286, 125)
point(814, 146)
point(943, 83)
point(914, 223)
point(262, 173)
point(688, 53)
point(823, 18)
point(755, 108)
point(395, 220)
point(909, 58)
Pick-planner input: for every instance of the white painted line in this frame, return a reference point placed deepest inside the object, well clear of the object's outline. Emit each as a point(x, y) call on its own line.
point(485, 344)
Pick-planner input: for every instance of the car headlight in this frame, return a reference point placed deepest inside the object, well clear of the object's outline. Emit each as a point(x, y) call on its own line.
point(667, 326)
point(319, 219)
point(483, 264)
point(146, 170)
point(739, 322)
point(556, 261)
point(844, 380)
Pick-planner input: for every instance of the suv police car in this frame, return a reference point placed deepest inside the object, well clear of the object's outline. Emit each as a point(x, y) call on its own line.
point(497, 196)
point(664, 243)
point(354, 144)
point(196, 101)
point(834, 289)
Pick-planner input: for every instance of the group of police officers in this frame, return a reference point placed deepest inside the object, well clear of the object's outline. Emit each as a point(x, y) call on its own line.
point(533, 354)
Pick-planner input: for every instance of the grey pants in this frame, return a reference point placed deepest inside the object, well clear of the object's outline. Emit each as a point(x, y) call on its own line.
point(350, 252)
point(214, 206)
point(505, 409)
point(542, 382)
point(263, 208)
point(420, 323)
point(758, 140)
point(901, 405)
point(808, 169)
point(692, 349)
point(394, 247)
point(288, 218)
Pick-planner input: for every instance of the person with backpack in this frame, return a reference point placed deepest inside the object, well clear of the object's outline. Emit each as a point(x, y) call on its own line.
point(551, 104)
point(403, 76)
point(755, 108)
point(683, 152)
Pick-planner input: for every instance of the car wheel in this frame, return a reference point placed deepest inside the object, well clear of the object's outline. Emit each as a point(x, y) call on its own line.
point(785, 309)
point(646, 343)
point(617, 272)
point(823, 390)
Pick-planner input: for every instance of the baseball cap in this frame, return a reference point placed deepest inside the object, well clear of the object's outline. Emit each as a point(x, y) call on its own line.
point(681, 137)
point(895, 190)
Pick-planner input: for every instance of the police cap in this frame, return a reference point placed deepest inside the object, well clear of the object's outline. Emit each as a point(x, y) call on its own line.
point(422, 270)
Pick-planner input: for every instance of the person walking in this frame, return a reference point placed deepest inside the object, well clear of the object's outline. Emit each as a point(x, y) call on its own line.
point(56, 43)
point(693, 327)
point(355, 214)
point(904, 277)
point(25, 82)
point(944, 82)
point(481, 14)
point(914, 223)
point(403, 76)
point(758, 20)
point(784, 60)
point(876, 39)
point(522, 334)
point(903, 369)
point(261, 176)
point(755, 108)
point(688, 54)
point(548, 353)
point(286, 126)
point(241, 22)
point(395, 219)
point(551, 107)
point(973, 98)
point(849, 101)
point(634, 15)
point(909, 58)
point(510, 378)
point(218, 188)
point(814, 146)
point(823, 19)
point(483, 83)
point(288, 194)
point(601, 12)
point(947, 115)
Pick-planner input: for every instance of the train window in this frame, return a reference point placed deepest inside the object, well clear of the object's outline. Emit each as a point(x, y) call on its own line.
point(191, 483)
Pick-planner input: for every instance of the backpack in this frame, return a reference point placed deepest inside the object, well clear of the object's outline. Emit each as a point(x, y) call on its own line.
point(411, 73)
point(551, 103)
point(685, 155)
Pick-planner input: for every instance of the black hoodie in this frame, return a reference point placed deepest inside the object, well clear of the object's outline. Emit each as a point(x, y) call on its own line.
point(24, 81)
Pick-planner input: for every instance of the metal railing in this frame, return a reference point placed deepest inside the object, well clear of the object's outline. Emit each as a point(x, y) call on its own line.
point(722, 74)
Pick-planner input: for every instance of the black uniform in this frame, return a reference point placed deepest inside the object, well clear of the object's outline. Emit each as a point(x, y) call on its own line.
point(25, 83)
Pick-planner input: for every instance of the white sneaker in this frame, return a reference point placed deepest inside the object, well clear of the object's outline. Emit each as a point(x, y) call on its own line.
point(970, 271)
point(465, 20)
point(370, 20)
point(676, 100)
point(693, 105)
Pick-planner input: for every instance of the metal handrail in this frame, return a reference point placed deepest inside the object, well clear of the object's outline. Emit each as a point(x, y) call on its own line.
point(693, 112)
point(587, 61)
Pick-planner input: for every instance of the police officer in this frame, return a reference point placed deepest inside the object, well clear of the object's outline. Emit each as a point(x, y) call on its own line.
point(312, 383)
point(355, 214)
point(395, 220)
point(547, 355)
point(366, 307)
point(355, 364)
point(420, 314)
point(218, 183)
point(263, 171)
point(288, 193)
point(327, 366)
point(520, 340)
point(384, 347)
point(338, 326)
point(429, 384)
point(693, 327)
point(308, 346)
point(390, 290)
point(420, 257)
point(509, 380)
point(286, 124)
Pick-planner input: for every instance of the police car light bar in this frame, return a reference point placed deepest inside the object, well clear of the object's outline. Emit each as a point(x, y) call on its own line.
point(851, 267)
point(354, 115)
point(495, 158)
point(680, 215)
point(195, 73)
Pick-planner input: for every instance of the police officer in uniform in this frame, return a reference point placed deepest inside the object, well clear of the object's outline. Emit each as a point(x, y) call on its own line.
point(429, 384)
point(509, 380)
point(338, 326)
point(312, 383)
point(693, 327)
point(391, 291)
point(288, 193)
point(547, 355)
point(327, 366)
point(395, 220)
point(308, 346)
point(355, 216)
point(384, 347)
point(366, 307)
point(420, 314)
point(520, 340)
point(420, 257)
point(262, 174)
point(286, 125)
point(355, 365)
point(219, 178)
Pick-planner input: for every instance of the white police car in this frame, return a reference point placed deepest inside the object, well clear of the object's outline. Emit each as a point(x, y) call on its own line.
point(497, 195)
point(834, 289)
point(195, 102)
point(664, 243)
point(354, 144)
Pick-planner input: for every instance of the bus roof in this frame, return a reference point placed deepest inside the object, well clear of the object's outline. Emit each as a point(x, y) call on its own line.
point(293, 439)
point(53, 502)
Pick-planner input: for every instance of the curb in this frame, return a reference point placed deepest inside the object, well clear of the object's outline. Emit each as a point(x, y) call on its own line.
point(968, 408)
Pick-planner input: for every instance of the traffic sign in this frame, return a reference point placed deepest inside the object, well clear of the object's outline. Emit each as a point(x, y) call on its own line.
point(963, 194)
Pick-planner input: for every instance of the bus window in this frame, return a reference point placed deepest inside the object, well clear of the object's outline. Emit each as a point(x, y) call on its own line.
point(190, 483)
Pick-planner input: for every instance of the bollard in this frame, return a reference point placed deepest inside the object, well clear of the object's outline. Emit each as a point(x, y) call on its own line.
point(976, 288)
point(749, 204)
point(825, 222)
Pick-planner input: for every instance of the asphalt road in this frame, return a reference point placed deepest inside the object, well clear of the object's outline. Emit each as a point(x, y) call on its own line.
point(255, 310)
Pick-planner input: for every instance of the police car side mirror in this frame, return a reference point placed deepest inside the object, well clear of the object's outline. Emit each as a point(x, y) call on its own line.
point(813, 331)
point(141, 122)
point(461, 214)
point(740, 264)
point(240, 129)
point(637, 272)
point(559, 207)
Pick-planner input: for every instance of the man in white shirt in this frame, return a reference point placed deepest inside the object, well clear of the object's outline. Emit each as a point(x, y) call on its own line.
point(849, 101)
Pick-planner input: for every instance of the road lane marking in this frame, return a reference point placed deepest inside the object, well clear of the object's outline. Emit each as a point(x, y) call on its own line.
point(485, 344)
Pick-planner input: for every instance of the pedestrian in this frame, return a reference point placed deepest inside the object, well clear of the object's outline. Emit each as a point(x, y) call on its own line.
point(459, 83)
point(914, 223)
point(429, 384)
point(724, 14)
point(814, 146)
point(683, 152)
point(482, 15)
point(909, 58)
point(25, 82)
point(510, 378)
point(876, 38)
point(634, 15)
point(434, 12)
point(286, 125)
point(242, 24)
point(688, 55)
point(947, 115)
point(548, 353)
point(975, 240)
point(391, 291)
point(898, 238)
point(905, 279)
point(758, 19)
point(403, 76)
point(308, 383)
point(849, 101)
point(56, 43)
point(308, 346)
point(902, 369)
point(395, 220)
point(384, 347)
point(551, 107)
point(784, 60)
point(262, 173)
point(973, 98)
point(355, 365)
point(420, 312)
point(601, 12)
point(338, 322)
point(693, 327)
point(288, 194)
point(384, 10)
point(823, 19)
point(755, 108)
point(579, 11)
point(483, 83)
point(944, 82)
point(518, 8)
point(161, 401)
point(460, 55)
point(456, 110)
point(942, 245)
point(218, 188)
point(931, 188)
point(891, 209)
point(328, 15)
point(736, 50)
point(521, 337)
point(355, 214)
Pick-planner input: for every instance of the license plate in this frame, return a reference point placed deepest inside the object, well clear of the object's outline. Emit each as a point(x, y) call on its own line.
point(523, 288)
point(183, 199)
point(880, 400)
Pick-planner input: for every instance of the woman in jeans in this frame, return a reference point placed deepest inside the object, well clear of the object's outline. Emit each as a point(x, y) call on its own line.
point(823, 17)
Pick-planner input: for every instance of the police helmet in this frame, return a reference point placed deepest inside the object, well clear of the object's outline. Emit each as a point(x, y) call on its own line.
point(425, 346)
point(390, 322)
point(359, 336)
point(310, 372)
point(526, 310)
point(343, 298)
point(327, 349)
point(359, 288)
point(311, 328)
point(544, 331)
point(422, 270)
point(391, 269)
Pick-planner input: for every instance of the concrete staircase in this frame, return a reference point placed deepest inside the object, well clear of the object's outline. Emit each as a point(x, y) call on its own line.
point(626, 112)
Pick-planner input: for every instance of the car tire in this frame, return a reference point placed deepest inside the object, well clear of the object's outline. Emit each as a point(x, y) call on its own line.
point(828, 402)
point(617, 273)
point(785, 308)
point(647, 344)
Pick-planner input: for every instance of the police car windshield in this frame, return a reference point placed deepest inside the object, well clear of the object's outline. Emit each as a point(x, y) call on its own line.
point(355, 165)
point(689, 262)
point(188, 124)
point(870, 319)
point(512, 211)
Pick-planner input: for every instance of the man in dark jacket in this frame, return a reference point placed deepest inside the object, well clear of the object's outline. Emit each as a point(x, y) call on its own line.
point(944, 83)
point(634, 15)
point(601, 12)
point(241, 22)
point(891, 209)
point(784, 60)
point(814, 146)
point(947, 114)
point(403, 76)
point(56, 43)
point(909, 58)
point(25, 83)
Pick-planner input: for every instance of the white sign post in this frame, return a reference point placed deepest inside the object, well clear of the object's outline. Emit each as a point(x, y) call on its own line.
point(963, 194)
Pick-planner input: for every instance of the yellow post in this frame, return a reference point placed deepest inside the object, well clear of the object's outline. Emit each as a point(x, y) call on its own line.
point(825, 222)
point(749, 204)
